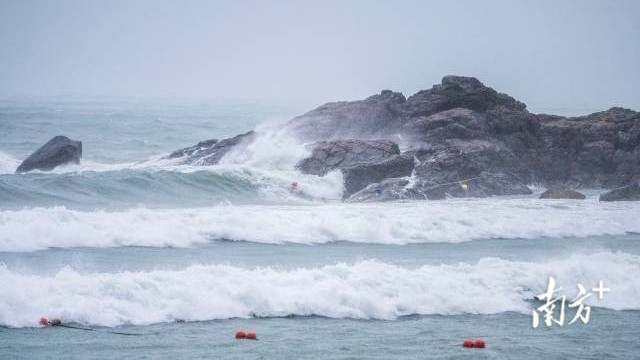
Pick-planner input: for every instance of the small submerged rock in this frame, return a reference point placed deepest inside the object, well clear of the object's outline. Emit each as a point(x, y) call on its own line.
point(625, 193)
point(209, 152)
point(562, 194)
point(59, 150)
point(387, 190)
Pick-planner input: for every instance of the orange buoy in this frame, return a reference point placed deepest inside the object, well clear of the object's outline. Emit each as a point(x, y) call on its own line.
point(467, 343)
point(240, 334)
point(252, 336)
point(478, 343)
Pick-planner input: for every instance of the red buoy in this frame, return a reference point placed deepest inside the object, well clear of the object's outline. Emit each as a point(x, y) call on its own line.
point(252, 336)
point(44, 321)
point(240, 335)
point(478, 343)
point(468, 343)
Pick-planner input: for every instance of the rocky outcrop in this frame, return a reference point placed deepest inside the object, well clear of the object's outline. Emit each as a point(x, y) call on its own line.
point(562, 193)
point(59, 150)
point(331, 155)
point(625, 193)
point(360, 176)
point(458, 92)
point(364, 119)
point(598, 150)
point(210, 152)
point(466, 139)
point(362, 162)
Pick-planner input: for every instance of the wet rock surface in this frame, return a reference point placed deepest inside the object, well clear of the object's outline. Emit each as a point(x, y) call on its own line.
point(625, 193)
point(58, 151)
point(466, 140)
point(561, 193)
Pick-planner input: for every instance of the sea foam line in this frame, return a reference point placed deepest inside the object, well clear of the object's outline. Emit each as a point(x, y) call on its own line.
point(364, 290)
point(383, 223)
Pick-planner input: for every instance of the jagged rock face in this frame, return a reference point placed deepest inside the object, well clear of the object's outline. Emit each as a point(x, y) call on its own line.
point(625, 193)
point(600, 149)
point(462, 132)
point(362, 162)
point(472, 168)
point(195, 150)
point(360, 176)
point(562, 194)
point(209, 152)
point(362, 119)
point(57, 151)
point(331, 155)
point(458, 92)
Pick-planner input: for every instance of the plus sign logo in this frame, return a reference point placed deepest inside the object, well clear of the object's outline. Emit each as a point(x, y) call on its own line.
point(600, 290)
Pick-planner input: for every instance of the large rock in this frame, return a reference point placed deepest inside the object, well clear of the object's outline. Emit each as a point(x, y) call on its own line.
point(483, 185)
point(458, 92)
point(357, 177)
point(327, 156)
point(561, 193)
point(57, 151)
point(467, 139)
point(363, 119)
point(625, 193)
point(362, 162)
point(597, 150)
point(470, 169)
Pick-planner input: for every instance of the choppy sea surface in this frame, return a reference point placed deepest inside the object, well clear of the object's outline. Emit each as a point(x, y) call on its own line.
point(183, 256)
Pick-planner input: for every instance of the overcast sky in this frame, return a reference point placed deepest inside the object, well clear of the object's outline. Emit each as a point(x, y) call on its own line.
point(549, 54)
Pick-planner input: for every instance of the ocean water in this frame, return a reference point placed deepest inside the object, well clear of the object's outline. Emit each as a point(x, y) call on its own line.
point(183, 256)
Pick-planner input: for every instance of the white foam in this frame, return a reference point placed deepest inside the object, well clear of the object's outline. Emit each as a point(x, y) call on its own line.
point(8, 163)
point(366, 290)
point(455, 220)
point(273, 147)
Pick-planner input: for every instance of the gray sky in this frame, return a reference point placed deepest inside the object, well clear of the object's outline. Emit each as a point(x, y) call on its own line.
point(550, 54)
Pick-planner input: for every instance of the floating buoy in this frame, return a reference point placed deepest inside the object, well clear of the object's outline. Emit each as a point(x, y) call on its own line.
point(467, 343)
point(464, 186)
point(252, 336)
point(478, 343)
point(241, 335)
point(44, 321)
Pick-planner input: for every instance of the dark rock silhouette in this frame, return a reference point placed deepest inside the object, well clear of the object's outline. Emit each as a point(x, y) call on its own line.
point(360, 176)
point(467, 140)
point(626, 193)
point(332, 155)
point(57, 151)
point(560, 193)
point(209, 152)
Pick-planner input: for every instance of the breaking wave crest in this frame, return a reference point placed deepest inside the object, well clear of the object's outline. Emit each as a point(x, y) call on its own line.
point(8, 163)
point(179, 186)
point(365, 290)
point(455, 220)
